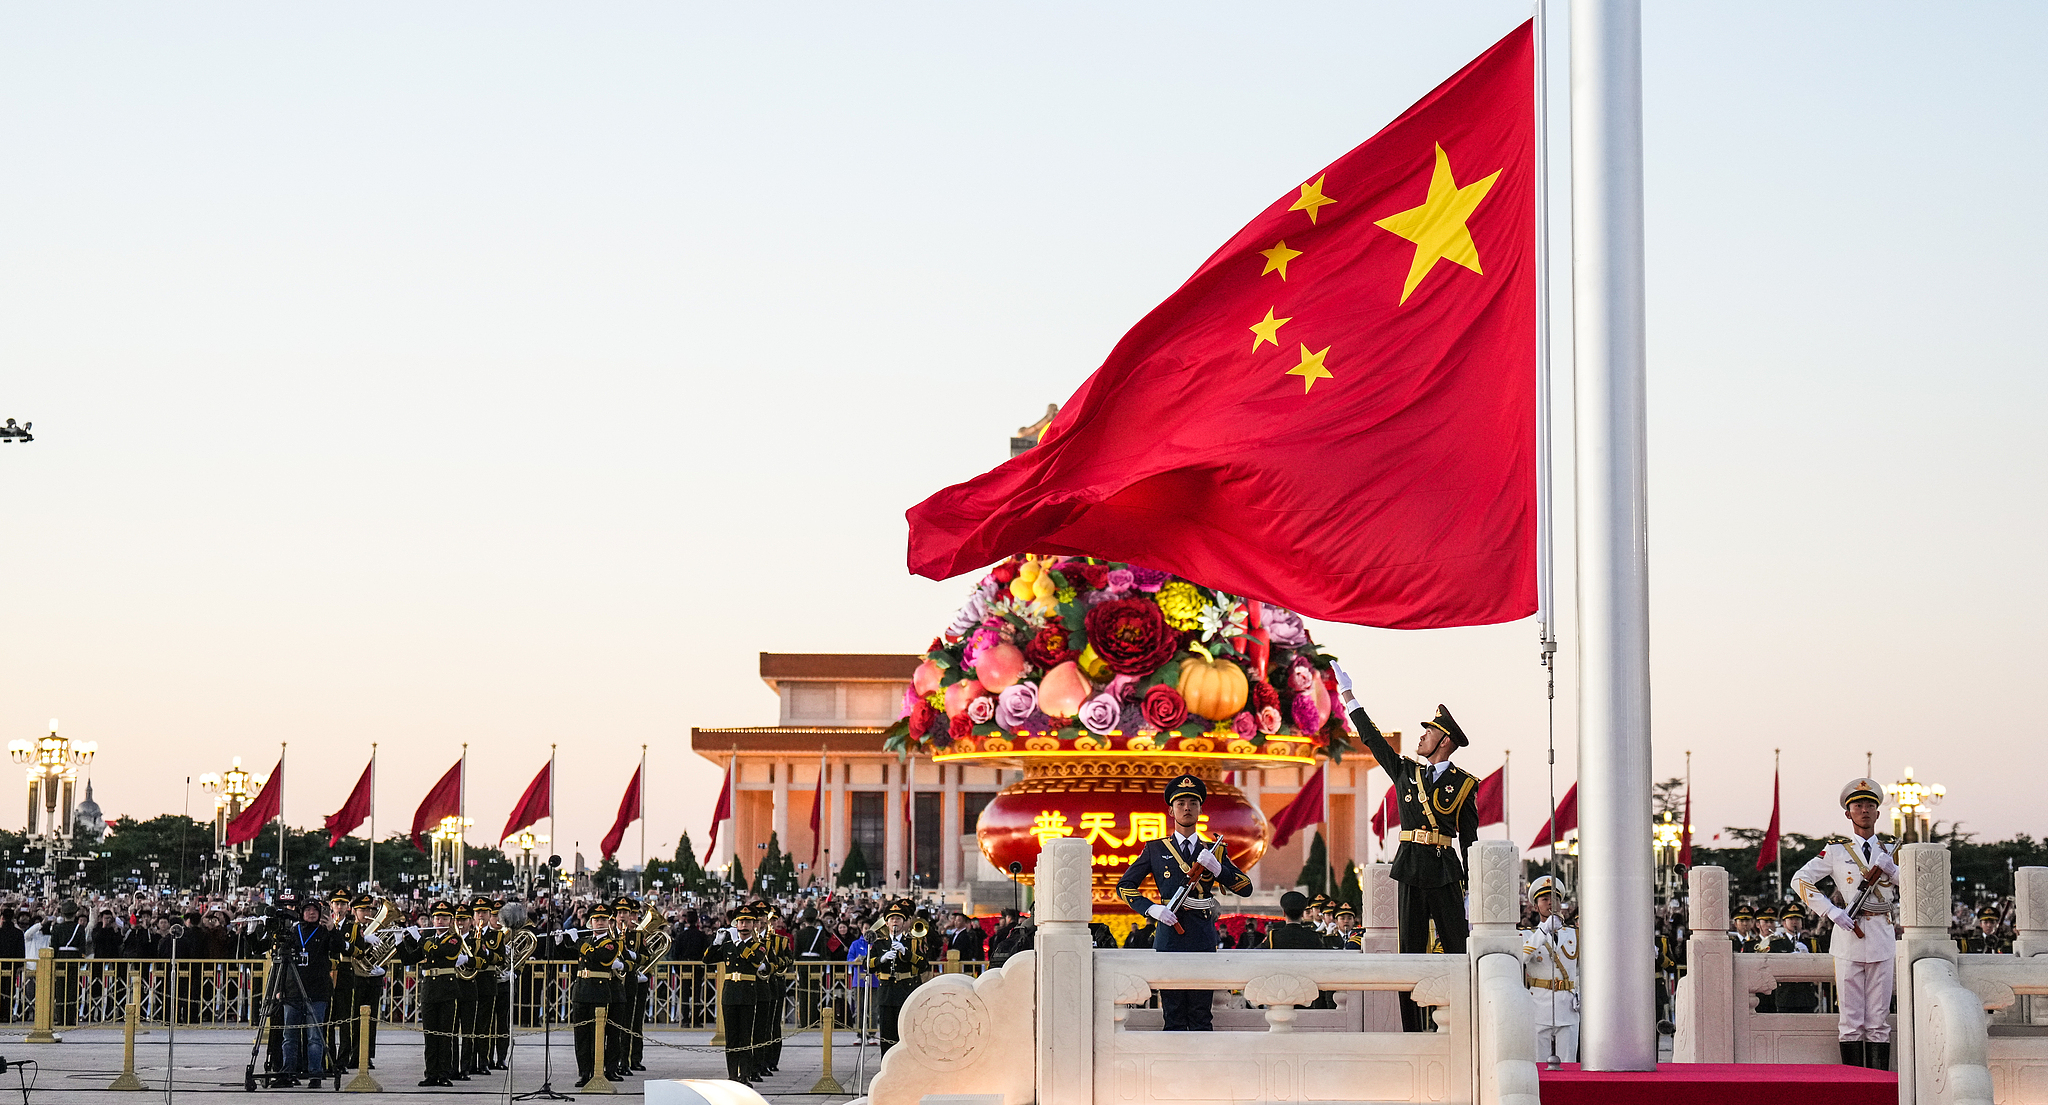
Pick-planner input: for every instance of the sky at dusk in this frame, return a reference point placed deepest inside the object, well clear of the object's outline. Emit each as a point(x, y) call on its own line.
point(514, 374)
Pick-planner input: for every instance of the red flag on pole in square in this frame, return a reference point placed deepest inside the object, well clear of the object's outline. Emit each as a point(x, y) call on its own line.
point(1306, 809)
point(534, 804)
point(1565, 819)
point(818, 811)
point(1767, 854)
point(268, 804)
point(1685, 841)
point(444, 800)
point(629, 812)
point(1388, 815)
point(1491, 797)
point(720, 810)
point(1337, 411)
point(356, 810)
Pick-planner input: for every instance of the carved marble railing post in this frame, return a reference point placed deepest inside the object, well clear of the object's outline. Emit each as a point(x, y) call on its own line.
point(2031, 926)
point(1706, 995)
point(1924, 911)
point(1066, 973)
point(1496, 898)
point(1382, 920)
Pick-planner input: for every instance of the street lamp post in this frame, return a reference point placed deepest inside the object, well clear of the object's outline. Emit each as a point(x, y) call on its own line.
point(52, 762)
point(1910, 801)
point(232, 791)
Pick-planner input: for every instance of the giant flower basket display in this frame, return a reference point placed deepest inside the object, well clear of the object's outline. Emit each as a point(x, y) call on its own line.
point(1104, 680)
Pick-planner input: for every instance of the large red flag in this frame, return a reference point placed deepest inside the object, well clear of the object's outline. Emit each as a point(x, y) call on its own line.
point(1336, 412)
point(629, 812)
point(1491, 797)
point(1565, 819)
point(268, 804)
point(356, 810)
point(445, 800)
point(817, 813)
point(533, 805)
point(1767, 854)
point(1306, 809)
point(720, 811)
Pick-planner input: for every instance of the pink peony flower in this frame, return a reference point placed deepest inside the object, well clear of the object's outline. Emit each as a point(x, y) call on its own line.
point(1016, 705)
point(984, 637)
point(982, 710)
point(1283, 626)
point(1243, 725)
point(1306, 717)
point(1119, 580)
point(1100, 714)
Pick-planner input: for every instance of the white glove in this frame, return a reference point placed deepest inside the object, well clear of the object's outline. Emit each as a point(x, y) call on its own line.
point(1343, 678)
point(1162, 914)
point(1207, 858)
point(720, 938)
point(1552, 924)
point(618, 965)
point(504, 976)
point(888, 956)
point(377, 973)
point(413, 931)
point(1884, 864)
point(462, 961)
point(1841, 917)
point(641, 977)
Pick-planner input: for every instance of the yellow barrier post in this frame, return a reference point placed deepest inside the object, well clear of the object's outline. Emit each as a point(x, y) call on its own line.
point(952, 966)
point(827, 1083)
point(363, 1082)
point(128, 1081)
point(598, 1082)
point(718, 1008)
point(46, 999)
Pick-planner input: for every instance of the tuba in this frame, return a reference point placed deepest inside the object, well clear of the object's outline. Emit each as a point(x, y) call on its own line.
point(654, 934)
point(382, 945)
point(519, 946)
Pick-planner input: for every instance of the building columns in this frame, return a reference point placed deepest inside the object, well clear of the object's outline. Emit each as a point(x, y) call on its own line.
point(894, 827)
point(948, 833)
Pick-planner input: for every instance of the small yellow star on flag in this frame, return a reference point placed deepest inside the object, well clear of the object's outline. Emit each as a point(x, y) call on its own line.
point(1267, 331)
point(1312, 199)
point(1311, 368)
point(1277, 258)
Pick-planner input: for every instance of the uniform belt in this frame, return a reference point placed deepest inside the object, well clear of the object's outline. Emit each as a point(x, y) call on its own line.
point(1424, 836)
point(900, 976)
point(1550, 984)
point(593, 974)
point(437, 972)
point(740, 978)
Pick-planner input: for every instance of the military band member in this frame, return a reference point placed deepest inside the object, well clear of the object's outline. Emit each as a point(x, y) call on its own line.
point(599, 962)
point(1789, 935)
point(637, 984)
point(1183, 859)
point(1863, 943)
point(511, 919)
point(1742, 935)
point(361, 987)
point(1295, 933)
point(1550, 964)
point(487, 950)
point(745, 959)
point(1986, 940)
point(1439, 823)
point(768, 1012)
point(437, 952)
point(897, 961)
point(1349, 936)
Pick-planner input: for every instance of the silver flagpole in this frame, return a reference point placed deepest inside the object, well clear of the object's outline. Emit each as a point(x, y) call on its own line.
point(1618, 1022)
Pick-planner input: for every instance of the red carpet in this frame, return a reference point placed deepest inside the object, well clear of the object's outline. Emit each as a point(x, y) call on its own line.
point(1721, 1084)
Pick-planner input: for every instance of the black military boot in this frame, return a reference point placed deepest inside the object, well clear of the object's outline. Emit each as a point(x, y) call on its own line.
point(1852, 1053)
point(1878, 1056)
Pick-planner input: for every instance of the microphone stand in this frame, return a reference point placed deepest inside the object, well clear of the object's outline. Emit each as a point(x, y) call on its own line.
point(547, 1051)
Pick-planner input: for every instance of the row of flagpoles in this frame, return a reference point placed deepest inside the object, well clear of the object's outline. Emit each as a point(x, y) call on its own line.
point(448, 797)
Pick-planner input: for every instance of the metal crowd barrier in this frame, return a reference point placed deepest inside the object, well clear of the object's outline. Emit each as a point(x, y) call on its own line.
point(225, 993)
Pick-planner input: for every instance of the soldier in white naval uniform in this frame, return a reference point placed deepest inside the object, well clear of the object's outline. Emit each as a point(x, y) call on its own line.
point(1864, 944)
point(1550, 965)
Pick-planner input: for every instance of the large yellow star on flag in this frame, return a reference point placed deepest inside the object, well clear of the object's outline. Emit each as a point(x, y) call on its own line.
point(1267, 331)
point(1312, 199)
point(1311, 368)
point(1438, 227)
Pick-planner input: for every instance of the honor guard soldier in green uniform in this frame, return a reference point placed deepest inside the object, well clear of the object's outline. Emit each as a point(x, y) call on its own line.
point(1294, 933)
point(745, 956)
point(1439, 823)
point(436, 953)
point(897, 960)
point(1177, 861)
point(1986, 940)
point(781, 953)
point(598, 965)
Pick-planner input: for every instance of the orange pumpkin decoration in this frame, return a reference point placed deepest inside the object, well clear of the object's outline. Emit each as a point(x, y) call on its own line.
point(1215, 689)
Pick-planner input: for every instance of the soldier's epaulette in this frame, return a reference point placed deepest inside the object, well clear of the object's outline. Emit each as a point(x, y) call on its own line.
point(1836, 839)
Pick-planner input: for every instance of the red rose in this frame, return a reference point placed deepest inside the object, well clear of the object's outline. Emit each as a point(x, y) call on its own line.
point(1049, 649)
point(921, 715)
point(1092, 576)
point(1131, 636)
point(1004, 573)
point(960, 726)
point(1164, 708)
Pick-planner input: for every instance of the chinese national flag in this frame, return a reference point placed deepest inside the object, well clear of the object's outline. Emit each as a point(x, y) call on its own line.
point(534, 804)
point(629, 812)
point(1388, 815)
point(1564, 820)
point(1306, 809)
point(1767, 852)
point(1336, 412)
